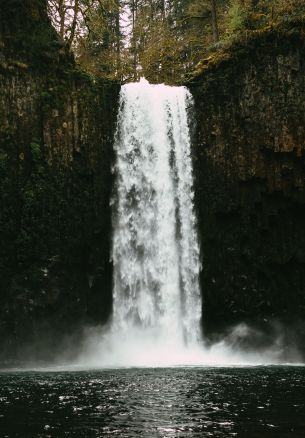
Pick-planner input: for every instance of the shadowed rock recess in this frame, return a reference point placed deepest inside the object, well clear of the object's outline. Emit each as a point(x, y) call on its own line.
point(56, 130)
point(249, 156)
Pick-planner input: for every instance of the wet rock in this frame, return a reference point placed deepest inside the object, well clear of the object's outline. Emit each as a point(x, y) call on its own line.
point(248, 150)
point(56, 129)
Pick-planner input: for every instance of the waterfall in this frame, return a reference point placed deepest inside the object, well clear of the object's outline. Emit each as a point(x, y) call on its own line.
point(155, 250)
point(155, 245)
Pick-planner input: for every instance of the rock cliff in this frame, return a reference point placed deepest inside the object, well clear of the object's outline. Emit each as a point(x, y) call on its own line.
point(56, 154)
point(56, 130)
point(249, 156)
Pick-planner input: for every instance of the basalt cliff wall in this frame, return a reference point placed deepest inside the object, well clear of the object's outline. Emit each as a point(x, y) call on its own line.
point(249, 167)
point(56, 153)
point(56, 132)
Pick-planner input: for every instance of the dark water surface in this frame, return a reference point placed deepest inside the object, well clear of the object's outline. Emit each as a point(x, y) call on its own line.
point(174, 402)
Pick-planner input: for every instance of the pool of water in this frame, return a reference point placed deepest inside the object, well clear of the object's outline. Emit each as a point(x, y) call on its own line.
point(154, 402)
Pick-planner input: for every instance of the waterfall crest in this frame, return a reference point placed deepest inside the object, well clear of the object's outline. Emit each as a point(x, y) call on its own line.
point(155, 245)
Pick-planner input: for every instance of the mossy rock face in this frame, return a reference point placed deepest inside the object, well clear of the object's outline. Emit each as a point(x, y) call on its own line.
point(228, 52)
point(56, 155)
point(27, 39)
point(249, 157)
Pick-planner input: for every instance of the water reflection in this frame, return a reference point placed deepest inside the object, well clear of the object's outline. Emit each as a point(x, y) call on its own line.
point(243, 402)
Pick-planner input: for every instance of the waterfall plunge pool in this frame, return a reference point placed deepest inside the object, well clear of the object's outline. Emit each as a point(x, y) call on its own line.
point(257, 402)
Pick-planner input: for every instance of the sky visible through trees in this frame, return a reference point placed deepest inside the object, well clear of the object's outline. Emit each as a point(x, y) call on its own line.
point(162, 40)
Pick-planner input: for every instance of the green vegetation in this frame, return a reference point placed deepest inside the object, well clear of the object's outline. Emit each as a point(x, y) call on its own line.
point(237, 18)
point(162, 40)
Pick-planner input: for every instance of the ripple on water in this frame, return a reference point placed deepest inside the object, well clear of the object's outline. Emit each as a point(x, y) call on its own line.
point(244, 402)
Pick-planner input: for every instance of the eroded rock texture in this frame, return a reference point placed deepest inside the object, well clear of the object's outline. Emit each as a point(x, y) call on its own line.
point(249, 156)
point(56, 130)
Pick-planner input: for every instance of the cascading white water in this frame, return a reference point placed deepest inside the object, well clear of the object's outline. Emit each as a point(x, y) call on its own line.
point(155, 245)
point(157, 304)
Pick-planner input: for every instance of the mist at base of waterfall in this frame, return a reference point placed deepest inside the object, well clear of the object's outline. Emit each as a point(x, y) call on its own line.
point(147, 348)
point(103, 348)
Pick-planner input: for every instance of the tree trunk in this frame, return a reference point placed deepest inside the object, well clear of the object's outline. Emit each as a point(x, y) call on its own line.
point(118, 41)
point(74, 23)
point(214, 21)
point(62, 15)
point(134, 36)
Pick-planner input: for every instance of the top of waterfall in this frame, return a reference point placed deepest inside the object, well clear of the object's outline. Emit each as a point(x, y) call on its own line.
point(144, 81)
point(144, 86)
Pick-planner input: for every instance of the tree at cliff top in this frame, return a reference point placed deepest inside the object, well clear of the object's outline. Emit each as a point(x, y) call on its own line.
point(252, 15)
point(160, 39)
point(125, 38)
point(66, 18)
point(99, 44)
point(171, 35)
point(91, 28)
